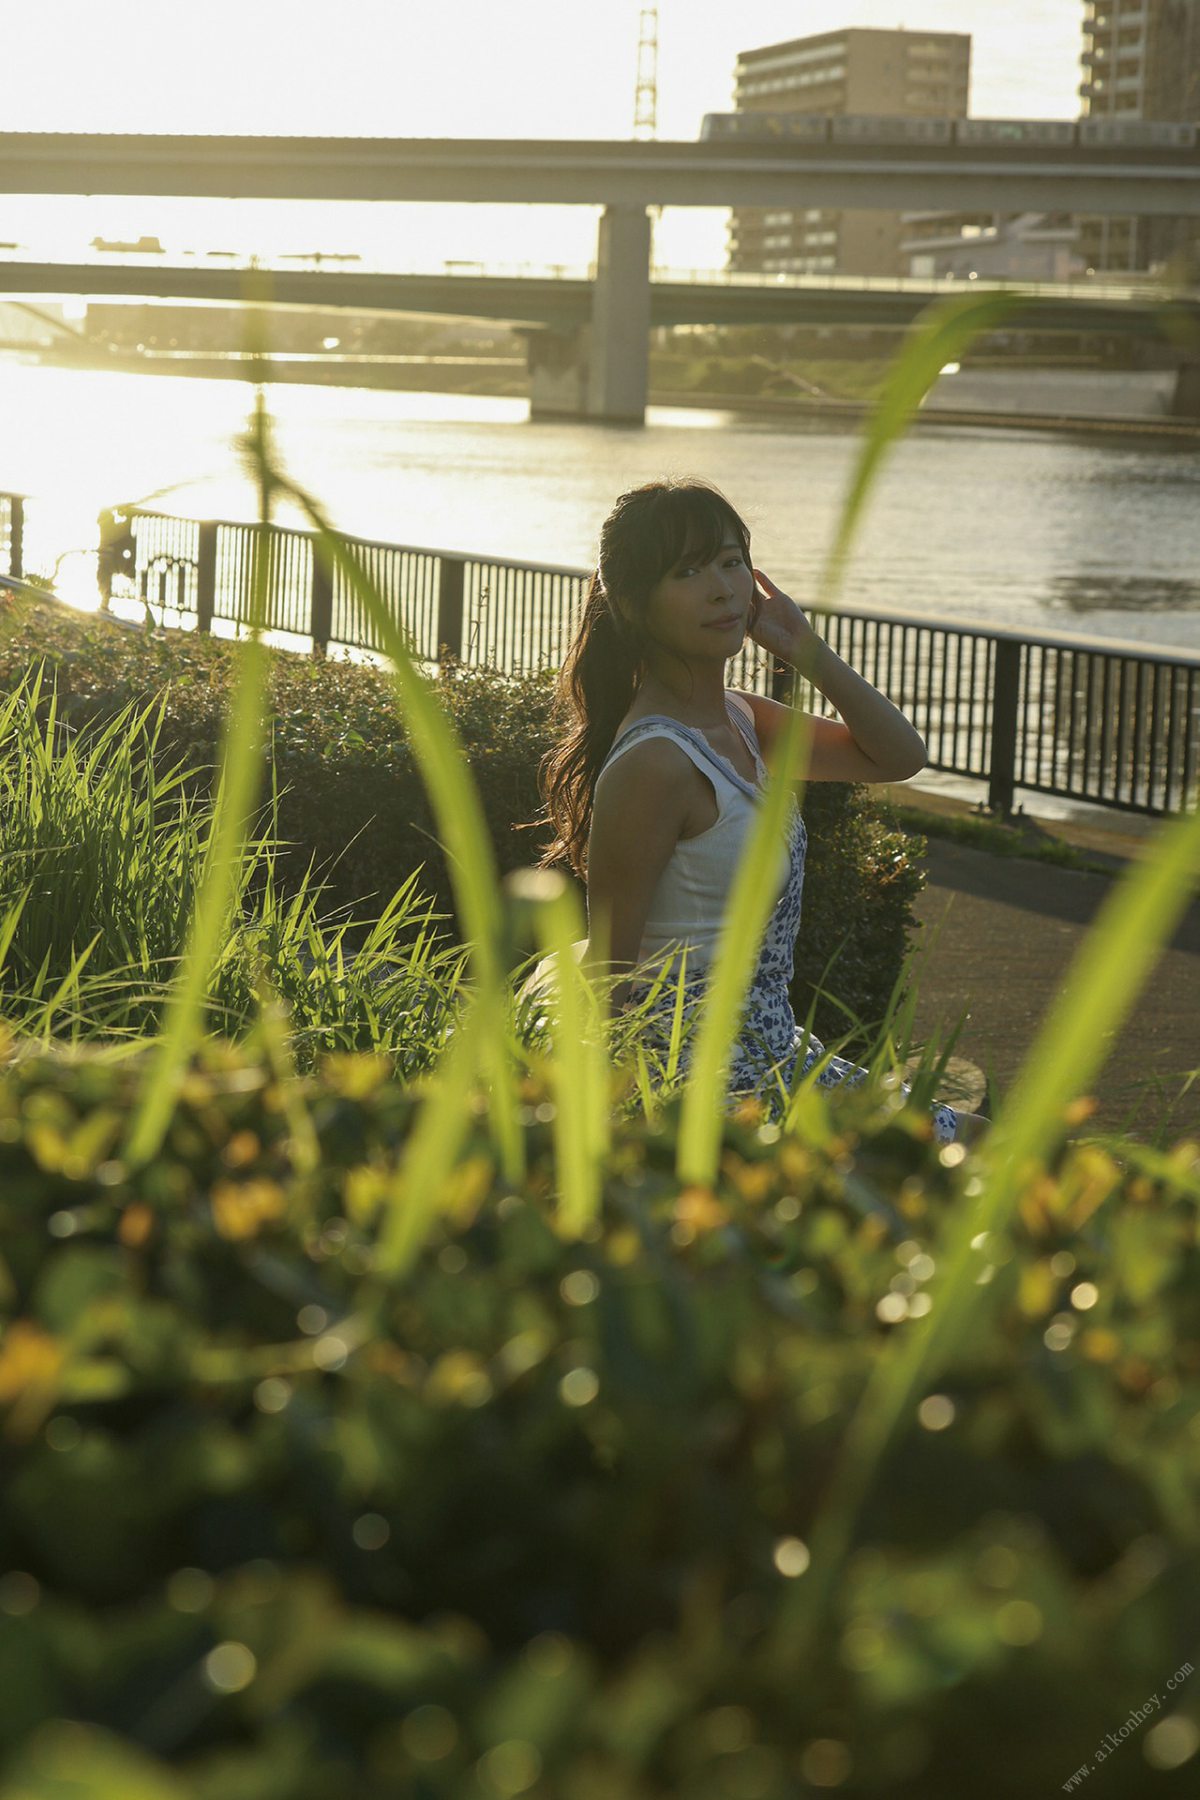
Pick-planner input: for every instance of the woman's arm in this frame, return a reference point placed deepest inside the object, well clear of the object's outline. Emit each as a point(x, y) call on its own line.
point(871, 741)
point(638, 815)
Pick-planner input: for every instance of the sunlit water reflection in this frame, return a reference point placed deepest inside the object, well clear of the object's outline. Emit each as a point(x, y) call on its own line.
point(1002, 527)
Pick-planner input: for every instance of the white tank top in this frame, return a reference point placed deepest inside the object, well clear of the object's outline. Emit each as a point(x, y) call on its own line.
point(690, 898)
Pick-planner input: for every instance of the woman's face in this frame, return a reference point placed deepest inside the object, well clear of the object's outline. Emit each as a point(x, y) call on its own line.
point(688, 607)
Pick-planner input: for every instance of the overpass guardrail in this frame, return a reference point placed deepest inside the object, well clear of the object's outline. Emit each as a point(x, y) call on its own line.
point(1111, 723)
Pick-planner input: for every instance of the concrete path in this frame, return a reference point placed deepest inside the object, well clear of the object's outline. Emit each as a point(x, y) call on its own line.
point(997, 937)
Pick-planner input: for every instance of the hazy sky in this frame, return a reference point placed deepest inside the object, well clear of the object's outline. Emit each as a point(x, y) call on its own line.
point(450, 68)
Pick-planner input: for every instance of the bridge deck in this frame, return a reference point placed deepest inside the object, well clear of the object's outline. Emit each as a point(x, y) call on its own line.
point(564, 302)
point(1092, 178)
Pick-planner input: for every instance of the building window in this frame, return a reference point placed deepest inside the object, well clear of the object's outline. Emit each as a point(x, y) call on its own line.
point(791, 59)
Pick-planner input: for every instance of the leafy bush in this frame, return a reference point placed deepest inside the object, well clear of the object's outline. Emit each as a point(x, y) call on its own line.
point(533, 1518)
point(352, 804)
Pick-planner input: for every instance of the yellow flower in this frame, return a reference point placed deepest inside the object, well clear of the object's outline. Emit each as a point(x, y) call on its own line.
point(699, 1210)
point(241, 1208)
point(30, 1364)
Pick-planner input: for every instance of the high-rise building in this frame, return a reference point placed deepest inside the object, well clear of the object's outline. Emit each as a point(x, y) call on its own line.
point(1141, 60)
point(892, 74)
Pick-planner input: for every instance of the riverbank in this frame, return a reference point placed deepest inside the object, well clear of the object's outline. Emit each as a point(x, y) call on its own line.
point(853, 412)
point(499, 377)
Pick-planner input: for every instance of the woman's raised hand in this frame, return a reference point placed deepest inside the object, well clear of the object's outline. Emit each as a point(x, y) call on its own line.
point(778, 624)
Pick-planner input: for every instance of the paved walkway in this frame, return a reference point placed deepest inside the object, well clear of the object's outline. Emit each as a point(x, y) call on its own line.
point(1000, 934)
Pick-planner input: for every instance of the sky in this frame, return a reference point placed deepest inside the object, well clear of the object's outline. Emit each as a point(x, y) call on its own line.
point(443, 68)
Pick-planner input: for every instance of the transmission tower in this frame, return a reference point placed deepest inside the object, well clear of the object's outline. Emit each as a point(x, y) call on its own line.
point(645, 103)
point(645, 100)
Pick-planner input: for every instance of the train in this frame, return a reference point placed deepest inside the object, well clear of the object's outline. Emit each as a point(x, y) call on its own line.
point(851, 128)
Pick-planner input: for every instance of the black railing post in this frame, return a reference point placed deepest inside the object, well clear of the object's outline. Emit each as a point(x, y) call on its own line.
point(320, 618)
point(451, 574)
point(16, 535)
point(206, 574)
point(1006, 698)
point(117, 552)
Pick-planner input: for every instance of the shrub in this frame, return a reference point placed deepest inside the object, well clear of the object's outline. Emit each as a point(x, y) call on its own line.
point(352, 803)
point(532, 1520)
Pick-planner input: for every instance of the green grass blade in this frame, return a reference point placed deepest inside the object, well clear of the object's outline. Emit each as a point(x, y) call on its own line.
point(940, 336)
point(579, 1065)
point(11, 920)
point(432, 1149)
point(241, 753)
point(461, 822)
point(68, 987)
point(750, 904)
point(1105, 978)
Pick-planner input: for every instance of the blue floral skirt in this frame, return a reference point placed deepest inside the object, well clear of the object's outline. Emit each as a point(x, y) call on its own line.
point(772, 1052)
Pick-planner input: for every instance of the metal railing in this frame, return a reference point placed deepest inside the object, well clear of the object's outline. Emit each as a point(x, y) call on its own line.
point(1104, 286)
point(1112, 723)
point(12, 534)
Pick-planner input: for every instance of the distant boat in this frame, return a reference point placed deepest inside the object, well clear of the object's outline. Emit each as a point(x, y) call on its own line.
point(145, 246)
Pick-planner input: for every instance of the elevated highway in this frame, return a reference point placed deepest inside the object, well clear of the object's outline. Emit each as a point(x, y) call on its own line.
point(540, 299)
point(598, 367)
point(1003, 177)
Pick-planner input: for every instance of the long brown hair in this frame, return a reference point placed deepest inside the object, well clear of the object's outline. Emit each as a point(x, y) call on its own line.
point(646, 534)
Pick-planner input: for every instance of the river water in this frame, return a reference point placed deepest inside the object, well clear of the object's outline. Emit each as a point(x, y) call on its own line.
point(1002, 527)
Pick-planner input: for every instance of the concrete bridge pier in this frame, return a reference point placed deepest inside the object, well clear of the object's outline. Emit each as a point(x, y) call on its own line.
point(1185, 401)
point(601, 370)
point(620, 349)
point(558, 370)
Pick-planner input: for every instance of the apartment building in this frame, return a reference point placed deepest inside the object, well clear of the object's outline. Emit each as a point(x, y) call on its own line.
point(896, 74)
point(1141, 60)
point(1029, 246)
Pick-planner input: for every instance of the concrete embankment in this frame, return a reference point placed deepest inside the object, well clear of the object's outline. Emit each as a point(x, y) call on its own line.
point(948, 405)
point(1071, 393)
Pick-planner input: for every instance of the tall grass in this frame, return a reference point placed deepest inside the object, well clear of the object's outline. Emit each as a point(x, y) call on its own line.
point(96, 848)
point(101, 852)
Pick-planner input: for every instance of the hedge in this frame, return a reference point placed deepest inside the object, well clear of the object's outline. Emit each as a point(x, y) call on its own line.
point(353, 799)
point(531, 1520)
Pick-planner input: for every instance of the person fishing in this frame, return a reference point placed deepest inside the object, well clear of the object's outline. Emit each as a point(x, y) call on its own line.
point(651, 793)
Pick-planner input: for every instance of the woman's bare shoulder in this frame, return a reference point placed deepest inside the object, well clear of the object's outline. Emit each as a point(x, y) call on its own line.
point(657, 758)
point(644, 798)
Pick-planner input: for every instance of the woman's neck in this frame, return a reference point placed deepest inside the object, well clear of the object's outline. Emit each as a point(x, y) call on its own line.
point(702, 705)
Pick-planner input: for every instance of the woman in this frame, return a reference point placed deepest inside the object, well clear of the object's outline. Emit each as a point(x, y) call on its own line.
point(652, 792)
